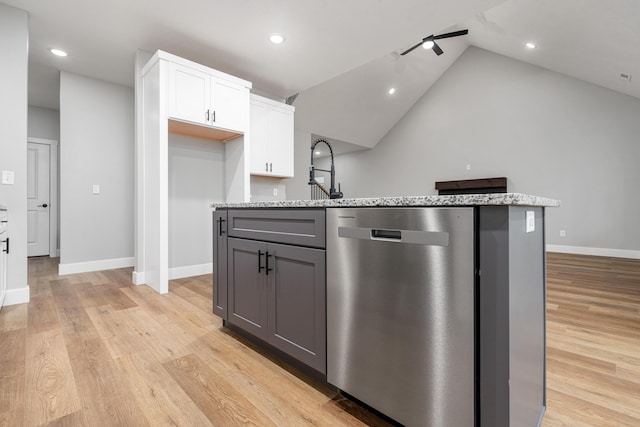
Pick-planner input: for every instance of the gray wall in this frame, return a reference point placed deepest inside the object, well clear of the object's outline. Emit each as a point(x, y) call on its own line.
point(297, 187)
point(550, 134)
point(96, 147)
point(14, 42)
point(44, 123)
point(196, 178)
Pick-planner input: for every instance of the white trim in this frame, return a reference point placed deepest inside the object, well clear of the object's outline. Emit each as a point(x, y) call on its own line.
point(85, 267)
point(585, 250)
point(16, 296)
point(138, 278)
point(54, 200)
point(190, 270)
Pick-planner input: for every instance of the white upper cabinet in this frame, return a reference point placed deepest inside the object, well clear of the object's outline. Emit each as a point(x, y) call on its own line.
point(189, 94)
point(272, 138)
point(229, 105)
point(205, 98)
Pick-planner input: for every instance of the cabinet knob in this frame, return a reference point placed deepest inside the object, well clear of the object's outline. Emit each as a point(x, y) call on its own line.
point(44, 205)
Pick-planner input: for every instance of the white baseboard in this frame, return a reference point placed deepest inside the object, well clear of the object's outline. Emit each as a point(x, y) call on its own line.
point(138, 278)
point(16, 296)
point(584, 250)
point(86, 267)
point(190, 270)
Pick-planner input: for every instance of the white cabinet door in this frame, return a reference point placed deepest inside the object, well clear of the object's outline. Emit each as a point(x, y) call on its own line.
point(271, 138)
point(230, 105)
point(189, 94)
point(281, 142)
point(259, 138)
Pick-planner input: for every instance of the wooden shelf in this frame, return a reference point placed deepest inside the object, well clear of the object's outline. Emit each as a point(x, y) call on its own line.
point(199, 131)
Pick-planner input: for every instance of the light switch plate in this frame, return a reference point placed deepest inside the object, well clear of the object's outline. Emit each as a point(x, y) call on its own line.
point(8, 177)
point(531, 221)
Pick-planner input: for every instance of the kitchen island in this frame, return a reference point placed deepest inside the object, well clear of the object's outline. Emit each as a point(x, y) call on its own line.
point(434, 317)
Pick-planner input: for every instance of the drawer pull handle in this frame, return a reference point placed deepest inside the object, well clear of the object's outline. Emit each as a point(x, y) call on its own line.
point(260, 267)
point(267, 262)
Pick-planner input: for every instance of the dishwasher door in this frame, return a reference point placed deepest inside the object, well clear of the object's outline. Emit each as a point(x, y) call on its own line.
point(400, 311)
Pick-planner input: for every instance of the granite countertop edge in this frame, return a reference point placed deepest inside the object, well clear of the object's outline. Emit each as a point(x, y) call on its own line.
point(491, 199)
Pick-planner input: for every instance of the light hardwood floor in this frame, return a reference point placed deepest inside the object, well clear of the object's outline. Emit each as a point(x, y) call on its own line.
point(91, 349)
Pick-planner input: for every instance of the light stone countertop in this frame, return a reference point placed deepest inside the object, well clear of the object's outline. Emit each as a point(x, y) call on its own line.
point(492, 199)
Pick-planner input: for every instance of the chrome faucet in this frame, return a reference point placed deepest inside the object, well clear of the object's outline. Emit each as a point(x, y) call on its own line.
point(333, 194)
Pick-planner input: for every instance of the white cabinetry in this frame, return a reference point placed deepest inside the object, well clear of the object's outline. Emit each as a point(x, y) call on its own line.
point(177, 96)
point(189, 94)
point(203, 98)
point(271, 137)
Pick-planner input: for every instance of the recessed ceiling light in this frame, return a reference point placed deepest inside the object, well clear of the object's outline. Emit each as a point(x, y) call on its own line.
point(58, 52)
point(428, 44)
point(276, 38)
point(530, 45)
point(392, 91)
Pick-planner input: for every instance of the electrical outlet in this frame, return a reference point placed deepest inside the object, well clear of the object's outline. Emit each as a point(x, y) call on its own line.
point(563, 233)
point(96, 189)
point(530, 221)
point(468, 167)
point(275, 191)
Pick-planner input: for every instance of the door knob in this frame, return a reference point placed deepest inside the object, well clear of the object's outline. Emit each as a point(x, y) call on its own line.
point(44, 205)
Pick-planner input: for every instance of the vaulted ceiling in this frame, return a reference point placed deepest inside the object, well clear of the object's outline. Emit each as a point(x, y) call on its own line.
point(342, 56)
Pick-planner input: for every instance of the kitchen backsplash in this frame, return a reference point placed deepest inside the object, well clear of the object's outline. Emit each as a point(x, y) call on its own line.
point(264, 189)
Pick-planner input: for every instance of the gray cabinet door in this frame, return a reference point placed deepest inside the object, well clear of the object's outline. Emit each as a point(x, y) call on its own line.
point(296, 300)
point(247, 286)
point(220, 264)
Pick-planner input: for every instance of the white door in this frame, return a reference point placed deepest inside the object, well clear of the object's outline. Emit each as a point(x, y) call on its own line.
point(189, 95)
point(281, 142)
point(259, 138)
point(230, 105)
point(38, 203)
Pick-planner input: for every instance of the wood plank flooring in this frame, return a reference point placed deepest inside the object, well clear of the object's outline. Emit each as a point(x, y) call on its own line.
point(93, 350)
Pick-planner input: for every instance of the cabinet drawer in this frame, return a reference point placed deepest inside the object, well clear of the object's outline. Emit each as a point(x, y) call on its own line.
point(303, 227)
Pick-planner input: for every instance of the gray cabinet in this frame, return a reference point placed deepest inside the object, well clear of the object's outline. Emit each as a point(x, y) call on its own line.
point(220, 263)
point(270, 269)
point(277, 293)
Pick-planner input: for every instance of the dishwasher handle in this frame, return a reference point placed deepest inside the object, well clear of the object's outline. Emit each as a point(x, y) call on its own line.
point(418, 237)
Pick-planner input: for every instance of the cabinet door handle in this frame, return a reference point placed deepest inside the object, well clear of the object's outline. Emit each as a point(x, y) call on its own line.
point(214, 116)
point(6, 250)
point(220, 230)
point(260, 267)
point(270, 167)
point(267, 262)
point(207, 115)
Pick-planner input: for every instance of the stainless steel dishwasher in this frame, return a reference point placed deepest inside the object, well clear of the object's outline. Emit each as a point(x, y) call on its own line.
point(400, 311)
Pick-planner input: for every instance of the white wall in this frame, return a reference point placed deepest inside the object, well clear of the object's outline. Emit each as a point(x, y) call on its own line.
point(96, 147)
point(550, 134)
point(14, 42)
point(196, 178)
point(43, 123)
